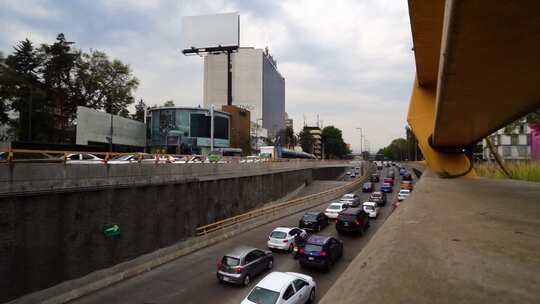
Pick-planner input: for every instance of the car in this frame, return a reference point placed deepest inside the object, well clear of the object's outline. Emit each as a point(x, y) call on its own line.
point(312, 220)
point(352, 199)
point(348, 173)
point(353, 174)
point(374, 178)
point(283, 288)
point(386, 188)
point(390, 174)
point(407, 177)
point(371, 208)
point(282, 238)
point(138, 157)
point(378, 197)
point(320, 251)
point(402, 171)
point(352, 220)
point(82, 158)
point(403, 194)
point(242, 264)
point(406, 185)
point(334, 209)
point(367, 187)
point(389, 180)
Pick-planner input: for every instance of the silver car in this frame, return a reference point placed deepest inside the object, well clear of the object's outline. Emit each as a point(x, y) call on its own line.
point(242, 264)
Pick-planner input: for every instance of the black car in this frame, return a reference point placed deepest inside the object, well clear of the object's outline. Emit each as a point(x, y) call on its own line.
point(352, 220)
point(374, 178)
point(313, 220)
point(320, 251)
point(407, 177)
point(367, 187)
point(378, 197)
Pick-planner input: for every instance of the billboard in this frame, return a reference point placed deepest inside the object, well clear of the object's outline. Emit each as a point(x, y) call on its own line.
point(211, 31)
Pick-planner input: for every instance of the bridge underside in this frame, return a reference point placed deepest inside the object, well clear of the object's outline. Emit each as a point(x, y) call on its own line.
point(477, 70)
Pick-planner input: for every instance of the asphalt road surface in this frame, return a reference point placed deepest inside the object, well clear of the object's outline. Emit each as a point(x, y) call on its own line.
point(192, 278)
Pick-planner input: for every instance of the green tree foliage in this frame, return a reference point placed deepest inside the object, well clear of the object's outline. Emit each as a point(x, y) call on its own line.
point(290, 137)
point(140, 109)
point(397, 150)
point(334, 146)
point(45, 85)
point(4, 104)
point(306, 140)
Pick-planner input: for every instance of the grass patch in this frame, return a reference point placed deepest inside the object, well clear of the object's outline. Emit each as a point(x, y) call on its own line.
point(521, 170)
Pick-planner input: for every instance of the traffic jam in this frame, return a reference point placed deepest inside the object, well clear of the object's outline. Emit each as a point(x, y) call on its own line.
point(310, 243)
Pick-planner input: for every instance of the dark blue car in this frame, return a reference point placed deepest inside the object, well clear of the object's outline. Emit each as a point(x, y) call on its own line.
point(386, 188)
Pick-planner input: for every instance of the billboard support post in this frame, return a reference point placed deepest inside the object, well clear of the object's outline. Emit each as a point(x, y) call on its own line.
point(229, 79)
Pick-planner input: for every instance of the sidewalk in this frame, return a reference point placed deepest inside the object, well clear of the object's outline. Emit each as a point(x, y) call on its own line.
point(452, 241)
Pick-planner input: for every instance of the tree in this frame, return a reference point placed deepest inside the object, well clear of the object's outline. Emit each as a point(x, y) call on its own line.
point(306, 140)
point(397, 150)
point(169, 103)
point(4, 104)
point(290, 137)
point(332, 140)
point(140, 109)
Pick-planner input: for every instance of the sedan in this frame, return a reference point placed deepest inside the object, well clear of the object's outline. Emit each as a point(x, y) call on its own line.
point(282, 238)
point(283, 288)
point(313, 220)
point(367, 187)
point(334, 209)
point(242, 264)
point(403, 194)
point(83, 158)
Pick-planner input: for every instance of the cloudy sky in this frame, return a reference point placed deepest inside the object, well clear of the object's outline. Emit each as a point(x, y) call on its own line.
point(348, 61)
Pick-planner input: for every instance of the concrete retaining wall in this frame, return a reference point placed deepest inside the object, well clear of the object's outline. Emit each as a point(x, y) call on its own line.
point(53, 236)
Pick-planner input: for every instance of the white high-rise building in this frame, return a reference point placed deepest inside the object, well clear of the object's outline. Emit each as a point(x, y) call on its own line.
point(257, 86)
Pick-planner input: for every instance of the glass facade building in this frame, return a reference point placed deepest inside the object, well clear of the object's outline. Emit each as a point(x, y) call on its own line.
point(181, 130)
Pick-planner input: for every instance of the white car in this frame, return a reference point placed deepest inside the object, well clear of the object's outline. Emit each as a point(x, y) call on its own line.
point(83, 158)
point(283, 288)
point(282, 238)
point(134, 158)
point(403, 194)
point(334, 209)
point(371, 208)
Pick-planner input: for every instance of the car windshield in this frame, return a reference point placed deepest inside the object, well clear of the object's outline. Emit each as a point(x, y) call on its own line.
point(310, 216)
point(278, 234)
point(367, 185)
point(347, 217)
point(334, 207)
point(376, 195)
point(346, 196)
point(230, 261)
point(403, 192)
point(261, 295)
point(369, 208)
point(313, 248)
point(123, 157)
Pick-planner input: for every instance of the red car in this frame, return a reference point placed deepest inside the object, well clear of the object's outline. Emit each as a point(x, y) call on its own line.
point(389, 180)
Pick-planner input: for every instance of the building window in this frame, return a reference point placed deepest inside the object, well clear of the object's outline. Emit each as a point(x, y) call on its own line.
point(523, 151)
point(514, 139)
point(506, 151)
point(521, 129)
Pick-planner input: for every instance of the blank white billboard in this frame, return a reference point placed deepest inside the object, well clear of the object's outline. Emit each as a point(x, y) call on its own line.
point(211, 31)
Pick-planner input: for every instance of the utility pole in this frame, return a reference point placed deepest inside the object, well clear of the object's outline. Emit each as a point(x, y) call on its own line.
point(212, 128)
point(361, 139)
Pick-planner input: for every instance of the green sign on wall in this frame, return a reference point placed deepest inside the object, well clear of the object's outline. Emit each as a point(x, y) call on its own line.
point(111, 229)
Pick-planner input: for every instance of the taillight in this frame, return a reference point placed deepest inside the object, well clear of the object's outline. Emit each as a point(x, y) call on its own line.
point(218, 264)
point(337, 221)
point(323, 253)
point(238, 269)
point(285, 241)
point(356, 222)
point(301, 250)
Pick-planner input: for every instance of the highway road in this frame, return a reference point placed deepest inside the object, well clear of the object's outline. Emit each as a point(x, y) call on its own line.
point(192, 279)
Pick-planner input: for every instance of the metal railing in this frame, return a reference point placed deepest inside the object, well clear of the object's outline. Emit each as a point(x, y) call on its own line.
point(9, 155)
point(200, 231)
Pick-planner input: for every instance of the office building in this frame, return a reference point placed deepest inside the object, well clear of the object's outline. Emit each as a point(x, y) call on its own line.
point(317, 140)
point(257, 86)
point(288, 121)
point(181, 130)
point(512, 143)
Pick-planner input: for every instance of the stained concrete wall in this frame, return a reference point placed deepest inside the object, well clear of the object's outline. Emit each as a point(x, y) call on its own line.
point(50, 237)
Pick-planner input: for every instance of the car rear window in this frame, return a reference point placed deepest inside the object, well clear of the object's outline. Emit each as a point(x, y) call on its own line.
point(313, 248)
point(334, 207)
point(310, 216)
point(347, 217)
point(278, 234)
point(386, 185)
point(376, 195)
point(263, 296)
point(230, 261)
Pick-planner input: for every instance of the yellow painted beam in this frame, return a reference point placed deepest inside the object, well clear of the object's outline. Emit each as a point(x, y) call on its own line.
point(421, 118)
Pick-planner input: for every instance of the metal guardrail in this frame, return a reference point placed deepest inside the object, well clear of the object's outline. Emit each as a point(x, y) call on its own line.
point(58, 156)
point(200, 231)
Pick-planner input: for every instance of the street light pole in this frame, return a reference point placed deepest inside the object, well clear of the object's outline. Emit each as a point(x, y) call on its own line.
point(361, 138)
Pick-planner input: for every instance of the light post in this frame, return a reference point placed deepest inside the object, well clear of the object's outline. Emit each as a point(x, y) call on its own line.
point(257, 133)
point(361, 139)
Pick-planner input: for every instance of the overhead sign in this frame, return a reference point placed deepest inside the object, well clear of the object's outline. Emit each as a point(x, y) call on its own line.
point(111, 229)
point(211, 31)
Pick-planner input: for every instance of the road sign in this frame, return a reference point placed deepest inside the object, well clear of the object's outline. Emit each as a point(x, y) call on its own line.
point(111, 229)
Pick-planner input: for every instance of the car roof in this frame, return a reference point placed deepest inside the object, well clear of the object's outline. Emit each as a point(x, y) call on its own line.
point(352, 211)
point(318, 239)
point(405, 190)
point(349, 195)
point(340, 203)
point(376, 193)
point(276, 281)
point(283, 229)
point(312, 213)
point(240, 251)
point(370, 204)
